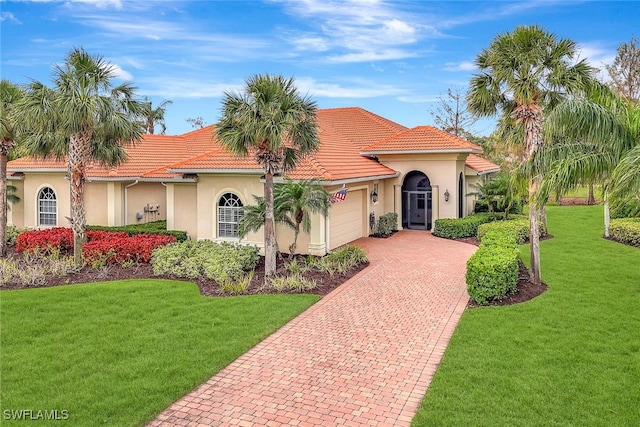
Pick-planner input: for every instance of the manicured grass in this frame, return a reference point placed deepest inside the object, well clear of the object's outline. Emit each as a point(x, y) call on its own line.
point(118, 353)
point(570, 357)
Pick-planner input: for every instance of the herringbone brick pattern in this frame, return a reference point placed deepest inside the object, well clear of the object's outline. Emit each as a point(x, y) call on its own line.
point(363, 355)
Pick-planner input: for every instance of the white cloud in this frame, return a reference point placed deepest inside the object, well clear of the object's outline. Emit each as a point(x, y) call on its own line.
point(459, 66)
point(101, 4)
point(8, 16)
point(350, 89)
point(368, 56)
point(120, 73)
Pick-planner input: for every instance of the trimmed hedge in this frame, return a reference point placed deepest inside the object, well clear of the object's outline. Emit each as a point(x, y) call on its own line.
point(154, 227)
point(626, 230)
point(463, 227)
point(492, 271)
point(518, 226)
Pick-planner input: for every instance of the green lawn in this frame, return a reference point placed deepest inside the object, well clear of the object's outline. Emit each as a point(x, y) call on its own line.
point(570, 357)
point(117, 353)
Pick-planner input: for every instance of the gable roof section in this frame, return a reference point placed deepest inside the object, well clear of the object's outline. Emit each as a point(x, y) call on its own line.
point(480, 165)
point(338, 159)
point(421, 139)
point(359, 126)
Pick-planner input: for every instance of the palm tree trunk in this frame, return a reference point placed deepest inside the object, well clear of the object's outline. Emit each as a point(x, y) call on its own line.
point(294, 245)
point(79, 151)
point(591, 200)
point(270, 250)
point(3, 201)
point(607, 214)
point(534, 236)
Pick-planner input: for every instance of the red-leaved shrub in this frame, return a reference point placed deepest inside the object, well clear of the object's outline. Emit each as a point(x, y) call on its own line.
point(113, 246)
point(118, 249)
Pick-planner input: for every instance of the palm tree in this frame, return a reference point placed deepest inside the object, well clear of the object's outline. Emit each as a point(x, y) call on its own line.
point(154, 116)
point(85, 118)
point(298, 200)
point(593, 138)
point(522, 75)
point(10, 94)
point(273, 122)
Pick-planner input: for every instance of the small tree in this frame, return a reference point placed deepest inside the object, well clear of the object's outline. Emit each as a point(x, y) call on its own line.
point(154, 116)
point(298, 200)
point(196, 122)
point(451, 114)
point(625, 71)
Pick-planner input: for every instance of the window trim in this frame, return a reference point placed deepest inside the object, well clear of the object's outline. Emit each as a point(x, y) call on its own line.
point(236, 211)
point(39, 211)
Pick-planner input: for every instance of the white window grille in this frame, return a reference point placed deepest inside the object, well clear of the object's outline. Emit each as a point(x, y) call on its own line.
point(47, 207)
point(230, 210)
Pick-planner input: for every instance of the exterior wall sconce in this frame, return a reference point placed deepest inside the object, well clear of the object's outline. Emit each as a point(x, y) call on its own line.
point(374, 194)
point(446, 195)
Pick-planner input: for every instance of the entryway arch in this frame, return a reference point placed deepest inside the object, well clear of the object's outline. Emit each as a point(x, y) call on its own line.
point(416, 201)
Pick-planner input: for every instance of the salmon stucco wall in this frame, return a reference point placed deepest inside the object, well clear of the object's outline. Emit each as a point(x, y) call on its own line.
point(182, 208)
point(443, 171)
point(141, 195)
point(33, 183)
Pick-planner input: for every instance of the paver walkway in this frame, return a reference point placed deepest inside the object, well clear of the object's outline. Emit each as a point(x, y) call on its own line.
point(363, 355)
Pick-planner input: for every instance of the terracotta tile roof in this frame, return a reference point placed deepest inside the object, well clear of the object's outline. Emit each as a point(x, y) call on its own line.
point(345, 133)
point(360, 126)
point(421, 139)
point(480, 165)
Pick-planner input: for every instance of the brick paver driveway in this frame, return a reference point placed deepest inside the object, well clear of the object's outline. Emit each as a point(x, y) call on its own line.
point(363, 355)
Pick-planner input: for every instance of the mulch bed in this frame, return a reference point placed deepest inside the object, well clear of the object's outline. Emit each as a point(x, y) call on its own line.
point(326, 282)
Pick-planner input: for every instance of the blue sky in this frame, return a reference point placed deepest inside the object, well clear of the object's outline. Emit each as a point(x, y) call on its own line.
point(394, 58)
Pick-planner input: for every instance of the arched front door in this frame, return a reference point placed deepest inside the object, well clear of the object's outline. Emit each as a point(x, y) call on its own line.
point(416, 201)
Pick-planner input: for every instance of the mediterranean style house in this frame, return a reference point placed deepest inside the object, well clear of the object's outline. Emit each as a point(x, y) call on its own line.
point(194, 184)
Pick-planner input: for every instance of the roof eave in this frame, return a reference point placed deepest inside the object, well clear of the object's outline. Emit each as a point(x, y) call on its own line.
point(455, 150)
point(134, 178)
point(327, 183)
point(219, 171)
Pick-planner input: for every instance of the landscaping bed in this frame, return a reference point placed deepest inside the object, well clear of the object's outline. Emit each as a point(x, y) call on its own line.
point(326, 282)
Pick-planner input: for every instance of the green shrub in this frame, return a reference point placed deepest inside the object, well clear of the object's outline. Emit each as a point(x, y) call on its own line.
point(12, 234)
point(387, 224)
point(482, 206)
point(518, 226)
point(238, 286)
point(221, 262)
point(449, 228)
point(626, 230)
point(492, 272)
point(154, 227)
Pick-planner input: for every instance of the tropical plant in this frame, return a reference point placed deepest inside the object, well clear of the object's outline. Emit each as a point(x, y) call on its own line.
point(10, 94)
point(498, 193)
point(297, 201)
point(595, 138)
point(273, 122)
point(522, 75)
point(85, 118)
point(154, 116)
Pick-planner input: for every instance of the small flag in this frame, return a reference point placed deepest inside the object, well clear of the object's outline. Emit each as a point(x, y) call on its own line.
point(339, 196)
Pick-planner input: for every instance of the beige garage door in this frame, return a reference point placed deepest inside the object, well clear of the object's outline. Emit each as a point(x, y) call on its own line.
point(346, 219)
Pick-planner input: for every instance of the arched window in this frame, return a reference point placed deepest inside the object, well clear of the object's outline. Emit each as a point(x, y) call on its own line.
point(47, 207)
point(229, 214)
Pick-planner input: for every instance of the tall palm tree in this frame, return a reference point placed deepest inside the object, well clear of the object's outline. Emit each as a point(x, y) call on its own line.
point(10, 95)
point(522, 75)
point(85, 117)
point(593, 138)
point(154, 116)
point(273, 122)
point(299, 200)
